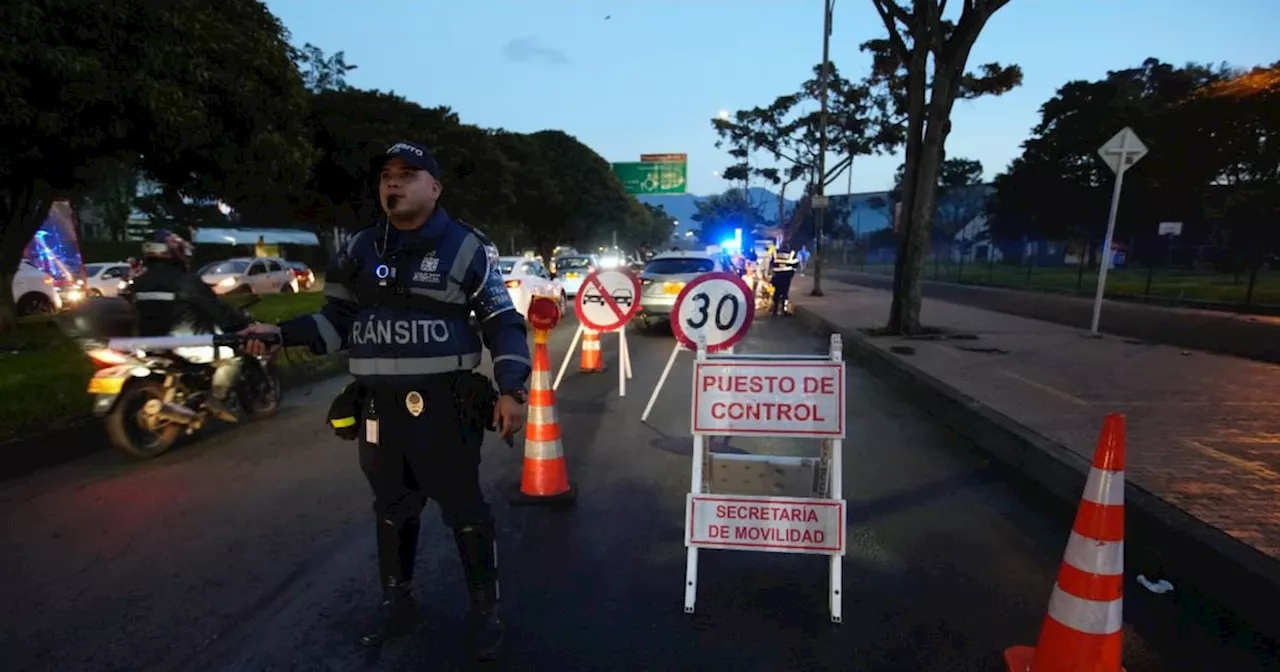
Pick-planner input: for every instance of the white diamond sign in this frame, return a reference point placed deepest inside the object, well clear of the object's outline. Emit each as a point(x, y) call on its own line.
point(1123, 149)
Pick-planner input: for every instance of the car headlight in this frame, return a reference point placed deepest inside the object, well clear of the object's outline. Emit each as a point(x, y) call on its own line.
point(227, 282)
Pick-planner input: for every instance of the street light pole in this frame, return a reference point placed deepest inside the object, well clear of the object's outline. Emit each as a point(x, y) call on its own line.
point(819, 197)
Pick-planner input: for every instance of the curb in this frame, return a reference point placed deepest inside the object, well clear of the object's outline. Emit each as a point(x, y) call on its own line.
point(1235, 575)
point(83, 435)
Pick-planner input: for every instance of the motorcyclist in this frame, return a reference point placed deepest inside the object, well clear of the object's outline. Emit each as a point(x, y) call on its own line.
point(173, 301)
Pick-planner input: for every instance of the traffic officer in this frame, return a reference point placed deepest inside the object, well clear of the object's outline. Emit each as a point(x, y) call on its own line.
point(782, 271)
point(399, 298)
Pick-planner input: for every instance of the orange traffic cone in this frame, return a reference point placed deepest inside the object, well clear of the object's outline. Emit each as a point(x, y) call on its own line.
point(592, 359)
point(545, 477)
point(1082, 628)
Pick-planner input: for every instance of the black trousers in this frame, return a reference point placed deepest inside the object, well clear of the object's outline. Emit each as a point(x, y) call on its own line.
point(781, 290)
point(433, 456)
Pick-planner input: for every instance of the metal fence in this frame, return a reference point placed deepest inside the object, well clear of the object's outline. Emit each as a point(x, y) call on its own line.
point(1190, 284)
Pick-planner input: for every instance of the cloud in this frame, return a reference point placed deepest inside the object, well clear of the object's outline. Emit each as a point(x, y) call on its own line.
point(527, 50)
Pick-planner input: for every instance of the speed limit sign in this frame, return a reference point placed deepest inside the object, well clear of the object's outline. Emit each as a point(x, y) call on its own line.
point(717, 305)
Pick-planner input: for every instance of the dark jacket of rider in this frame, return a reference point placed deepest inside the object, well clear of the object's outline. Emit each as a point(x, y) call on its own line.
point(172, 300)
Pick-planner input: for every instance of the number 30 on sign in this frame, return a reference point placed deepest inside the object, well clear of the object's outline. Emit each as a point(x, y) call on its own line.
point(718, 306)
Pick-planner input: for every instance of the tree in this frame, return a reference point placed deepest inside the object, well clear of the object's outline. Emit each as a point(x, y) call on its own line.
point(961, 196)
point(594, 202)
point(920, 68)
point(320, 72)
point(719, 215)
point(1242, 116)
point(350, 127)
point(1059, 188)
point(203, 94)
point(789, 131)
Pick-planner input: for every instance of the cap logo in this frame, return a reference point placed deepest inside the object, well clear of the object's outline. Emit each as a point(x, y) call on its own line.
point(403, 147)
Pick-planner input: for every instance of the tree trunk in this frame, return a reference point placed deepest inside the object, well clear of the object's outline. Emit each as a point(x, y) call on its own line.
point(916, 85)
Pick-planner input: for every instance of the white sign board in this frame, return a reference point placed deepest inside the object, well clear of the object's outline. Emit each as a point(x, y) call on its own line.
point(775, 524)
point(717, 305)
point(1170, 229)
point(769, 398)
point(608, 299)
point(1123, 150)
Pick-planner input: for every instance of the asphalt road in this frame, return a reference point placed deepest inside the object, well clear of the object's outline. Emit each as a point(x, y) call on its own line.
point(1250, 336)
point(252, 550)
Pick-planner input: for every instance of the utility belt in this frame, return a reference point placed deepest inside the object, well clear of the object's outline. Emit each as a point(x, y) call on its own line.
point(473, 397)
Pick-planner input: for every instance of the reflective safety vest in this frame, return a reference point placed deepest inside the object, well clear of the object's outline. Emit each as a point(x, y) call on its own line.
point(410, 295)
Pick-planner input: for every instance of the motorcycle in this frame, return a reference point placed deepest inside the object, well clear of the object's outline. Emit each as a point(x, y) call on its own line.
point(148, 397)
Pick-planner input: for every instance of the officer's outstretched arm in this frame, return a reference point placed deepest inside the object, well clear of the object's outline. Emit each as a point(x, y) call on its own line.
point(503, 328)
point(327, 331)
point(194, 291)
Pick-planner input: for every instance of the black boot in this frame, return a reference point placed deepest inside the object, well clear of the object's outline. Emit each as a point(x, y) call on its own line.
point(480, 561)
point(397, 548)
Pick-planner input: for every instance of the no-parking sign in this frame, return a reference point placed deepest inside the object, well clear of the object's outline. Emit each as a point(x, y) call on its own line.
point(608, 299)
point(717, 305)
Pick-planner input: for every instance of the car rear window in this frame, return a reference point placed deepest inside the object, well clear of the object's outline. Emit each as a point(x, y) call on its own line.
point(679, 266)
point(573, 262)
point(504, 267)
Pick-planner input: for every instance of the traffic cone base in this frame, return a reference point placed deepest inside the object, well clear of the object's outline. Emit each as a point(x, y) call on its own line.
point(1083, 624)
point(544, 479)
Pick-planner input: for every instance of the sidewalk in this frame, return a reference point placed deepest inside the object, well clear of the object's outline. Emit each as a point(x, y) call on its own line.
point(1203, 429)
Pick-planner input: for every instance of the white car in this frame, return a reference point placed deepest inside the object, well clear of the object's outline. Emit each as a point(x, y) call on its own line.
point(257, 275)
point(104, 278)
point(665, 276)
point(527, 278)
point(571, 270)
point(33, 291)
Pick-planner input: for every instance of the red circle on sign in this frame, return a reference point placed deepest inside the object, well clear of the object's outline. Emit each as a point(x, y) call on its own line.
point(544, 312)
point(607, 287)
point(678, 327)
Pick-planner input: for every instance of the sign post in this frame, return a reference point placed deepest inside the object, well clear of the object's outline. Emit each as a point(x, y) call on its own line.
point(608, 299)
point(769, 503)
point(719, 308)
point(1120, 153)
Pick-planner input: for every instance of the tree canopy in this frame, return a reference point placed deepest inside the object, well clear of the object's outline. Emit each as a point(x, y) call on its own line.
point(1214, 161)
point(211, 102)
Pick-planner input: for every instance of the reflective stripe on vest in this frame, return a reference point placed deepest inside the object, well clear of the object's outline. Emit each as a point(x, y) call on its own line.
point(413, 366)
point(339, 423)
point(155, 296)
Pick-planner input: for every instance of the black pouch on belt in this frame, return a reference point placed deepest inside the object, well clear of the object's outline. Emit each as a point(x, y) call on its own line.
point(477, 399)
point(344, 412)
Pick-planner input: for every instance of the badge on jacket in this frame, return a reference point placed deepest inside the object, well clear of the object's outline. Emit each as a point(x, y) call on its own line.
point(413, 402)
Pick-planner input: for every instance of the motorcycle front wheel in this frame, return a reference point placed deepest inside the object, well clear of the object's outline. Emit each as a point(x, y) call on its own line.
point(126, 430)
point(260, 391)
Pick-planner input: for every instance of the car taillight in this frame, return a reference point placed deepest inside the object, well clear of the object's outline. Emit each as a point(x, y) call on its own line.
point(512, 284)
point(107, 358)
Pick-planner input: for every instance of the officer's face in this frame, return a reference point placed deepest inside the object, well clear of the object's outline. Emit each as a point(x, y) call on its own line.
point(405, 191)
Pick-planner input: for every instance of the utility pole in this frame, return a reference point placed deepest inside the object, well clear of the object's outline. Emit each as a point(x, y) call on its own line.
point(819, 198)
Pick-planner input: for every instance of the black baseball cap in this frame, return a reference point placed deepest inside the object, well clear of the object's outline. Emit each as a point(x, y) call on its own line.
point(412, 154)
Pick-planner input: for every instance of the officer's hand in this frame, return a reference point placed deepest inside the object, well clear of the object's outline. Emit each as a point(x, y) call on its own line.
point(508, 416)
point(255, 346)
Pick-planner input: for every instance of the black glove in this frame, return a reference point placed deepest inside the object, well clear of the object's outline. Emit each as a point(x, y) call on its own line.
point(344, 412)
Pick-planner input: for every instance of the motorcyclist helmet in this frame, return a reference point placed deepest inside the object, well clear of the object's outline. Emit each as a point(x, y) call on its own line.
point(166, 244)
